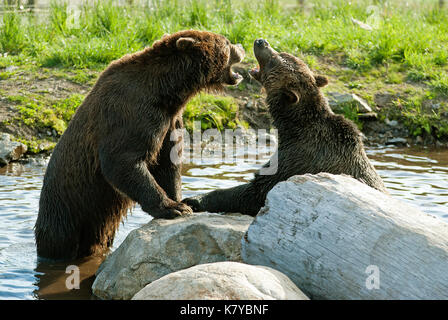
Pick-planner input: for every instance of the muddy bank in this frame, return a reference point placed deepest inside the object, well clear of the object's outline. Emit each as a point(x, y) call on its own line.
point(27, 92)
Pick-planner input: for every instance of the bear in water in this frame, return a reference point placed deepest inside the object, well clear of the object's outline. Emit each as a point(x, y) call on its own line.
point(117, 148)
point(311, 138)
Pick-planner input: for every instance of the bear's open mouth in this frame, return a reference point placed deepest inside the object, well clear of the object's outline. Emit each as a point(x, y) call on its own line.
point(254, 71)
point(237, 54)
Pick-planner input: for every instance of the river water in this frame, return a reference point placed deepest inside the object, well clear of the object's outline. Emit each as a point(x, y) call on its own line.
point(417, 176)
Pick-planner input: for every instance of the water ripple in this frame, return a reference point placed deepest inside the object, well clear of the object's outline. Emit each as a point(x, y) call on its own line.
point(417, 176)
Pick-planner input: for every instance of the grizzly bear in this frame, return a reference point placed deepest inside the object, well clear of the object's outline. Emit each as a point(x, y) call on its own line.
point(311, 138)
point(116, 149)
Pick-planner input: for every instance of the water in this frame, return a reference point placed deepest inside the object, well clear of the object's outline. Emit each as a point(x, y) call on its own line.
point(417, 176)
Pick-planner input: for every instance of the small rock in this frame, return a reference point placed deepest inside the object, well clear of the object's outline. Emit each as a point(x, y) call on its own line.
point(11, 68)
point(419, 140)
point(435, 106)
point(44, 146)
point(361, 24)
point(338, 100)
point(383, 99)
point(388, 135)
point(222, 281)
point(392, 123)
point(397, 142)
point(250, 104)
point(10, 150)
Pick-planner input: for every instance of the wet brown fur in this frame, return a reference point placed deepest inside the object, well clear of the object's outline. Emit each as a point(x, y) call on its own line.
point(312, 138)
point(116, 149)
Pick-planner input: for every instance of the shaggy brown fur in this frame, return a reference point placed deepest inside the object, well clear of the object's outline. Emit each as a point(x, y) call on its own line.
point(116, 149)
point(312, 138)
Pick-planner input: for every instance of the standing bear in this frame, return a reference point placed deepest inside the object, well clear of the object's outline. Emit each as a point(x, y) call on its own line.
point(116, 149)
point(311, 138)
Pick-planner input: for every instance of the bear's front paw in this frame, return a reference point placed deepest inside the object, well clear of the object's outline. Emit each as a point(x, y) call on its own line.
point(171, 210)
point(194, 203)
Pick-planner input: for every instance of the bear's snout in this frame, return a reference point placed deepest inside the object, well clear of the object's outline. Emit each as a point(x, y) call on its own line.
point(261, 43)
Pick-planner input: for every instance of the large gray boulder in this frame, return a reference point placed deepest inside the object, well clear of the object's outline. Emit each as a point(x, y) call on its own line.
point(10, 150)
point(222, 281)
point(165, 246)
point(337, 238)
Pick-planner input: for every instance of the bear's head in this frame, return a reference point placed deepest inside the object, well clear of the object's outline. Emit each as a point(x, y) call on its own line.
point(204, 54)
point(285, 74)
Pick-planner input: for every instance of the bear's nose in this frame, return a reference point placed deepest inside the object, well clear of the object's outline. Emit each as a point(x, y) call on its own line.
point(261, 43)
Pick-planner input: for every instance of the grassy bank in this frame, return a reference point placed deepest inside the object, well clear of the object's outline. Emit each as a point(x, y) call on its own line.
point(405, 54)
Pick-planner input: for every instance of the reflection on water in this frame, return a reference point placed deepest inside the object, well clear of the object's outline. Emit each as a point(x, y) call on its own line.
point(417, 176)
point(22, 276)
point(51, 279)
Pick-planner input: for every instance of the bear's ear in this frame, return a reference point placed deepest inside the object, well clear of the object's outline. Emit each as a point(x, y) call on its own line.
point(321, 81)
point(291, 95)
point(185, 43)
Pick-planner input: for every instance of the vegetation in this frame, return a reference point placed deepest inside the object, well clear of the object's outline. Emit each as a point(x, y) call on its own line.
point(404, 53)
point(51, 116)
point(212, 111)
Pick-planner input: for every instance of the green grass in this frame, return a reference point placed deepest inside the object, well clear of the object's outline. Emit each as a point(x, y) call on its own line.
point(35, 146)
point(408, 43)
point(350, 111)
point(46, 115)
point(12, 37)
point(415, 35)
point(440, 84)
point(212, 111)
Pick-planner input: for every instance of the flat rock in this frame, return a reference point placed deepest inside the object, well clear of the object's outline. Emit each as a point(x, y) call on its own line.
point(397, 141)
point(222, 281)
point(337, 101)
point(10, 150)
point(383, 100)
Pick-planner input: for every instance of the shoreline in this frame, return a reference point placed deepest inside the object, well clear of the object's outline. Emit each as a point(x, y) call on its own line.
point(37, 103)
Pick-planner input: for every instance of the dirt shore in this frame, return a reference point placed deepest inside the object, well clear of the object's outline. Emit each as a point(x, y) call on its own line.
point(27, 85)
